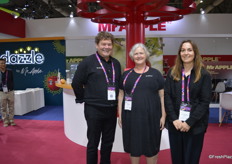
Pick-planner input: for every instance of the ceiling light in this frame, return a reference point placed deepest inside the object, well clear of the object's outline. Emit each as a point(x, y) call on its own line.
point(16, 16)
point(71, 15)
point(201, 1)
point(202, 11)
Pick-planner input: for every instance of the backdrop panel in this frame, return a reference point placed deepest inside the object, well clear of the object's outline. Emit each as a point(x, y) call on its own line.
point(36, 64)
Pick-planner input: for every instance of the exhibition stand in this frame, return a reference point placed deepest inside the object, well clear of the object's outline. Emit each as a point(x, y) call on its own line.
point(75, 125)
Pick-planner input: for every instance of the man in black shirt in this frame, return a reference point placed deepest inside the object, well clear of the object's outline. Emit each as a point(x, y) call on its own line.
point(6, 94)
point(96, 83)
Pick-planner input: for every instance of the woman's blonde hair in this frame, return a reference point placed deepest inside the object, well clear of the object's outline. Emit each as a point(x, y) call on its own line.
point(197, 66)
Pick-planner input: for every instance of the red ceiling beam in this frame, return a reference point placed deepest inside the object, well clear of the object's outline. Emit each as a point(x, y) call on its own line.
point(11, 26)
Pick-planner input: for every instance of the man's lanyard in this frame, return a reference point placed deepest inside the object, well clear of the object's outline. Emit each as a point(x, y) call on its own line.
point(136, 82)
point(104, 70)
point(6, 77)
point(183, 86)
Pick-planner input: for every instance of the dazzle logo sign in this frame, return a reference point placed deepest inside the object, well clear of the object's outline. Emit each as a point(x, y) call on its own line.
point(24, 56)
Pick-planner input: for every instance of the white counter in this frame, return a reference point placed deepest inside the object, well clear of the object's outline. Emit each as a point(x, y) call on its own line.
point(75, 125)
point(28, 100)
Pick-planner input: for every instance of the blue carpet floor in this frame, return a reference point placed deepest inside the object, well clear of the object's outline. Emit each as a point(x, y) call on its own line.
point(213, 116)
point(55, 113)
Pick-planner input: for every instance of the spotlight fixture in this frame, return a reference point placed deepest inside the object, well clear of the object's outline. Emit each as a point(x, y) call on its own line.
point(15, 16)
point(202, 11)
point(71, 15)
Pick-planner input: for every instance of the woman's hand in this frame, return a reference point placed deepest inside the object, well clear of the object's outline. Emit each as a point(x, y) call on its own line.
point(185, 127)
point(162, 122)
point(120, 99)
point(163, 118)
point(120, 122)
point(177, 124)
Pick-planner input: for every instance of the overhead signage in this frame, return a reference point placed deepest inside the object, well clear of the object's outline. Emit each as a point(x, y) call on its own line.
point(116, 28)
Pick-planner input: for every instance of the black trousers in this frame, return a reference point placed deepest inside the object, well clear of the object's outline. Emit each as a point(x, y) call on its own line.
point(101, 124)
point(186, 148)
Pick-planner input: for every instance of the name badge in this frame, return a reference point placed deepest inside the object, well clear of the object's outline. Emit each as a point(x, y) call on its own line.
point(184, 111)
point(111, 93)
point(128, 103)
point(4, 88)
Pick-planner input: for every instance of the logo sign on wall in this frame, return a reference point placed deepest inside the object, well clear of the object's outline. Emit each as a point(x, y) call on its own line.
point(36, 64)
point(28, 56)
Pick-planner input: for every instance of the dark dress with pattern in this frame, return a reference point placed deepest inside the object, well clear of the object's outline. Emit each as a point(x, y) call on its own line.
point(141, 125)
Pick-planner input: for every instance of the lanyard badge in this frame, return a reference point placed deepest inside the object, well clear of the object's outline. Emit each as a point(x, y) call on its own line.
point(4, 88)
point(128, 102)
point(111, 94)
point(185, 109)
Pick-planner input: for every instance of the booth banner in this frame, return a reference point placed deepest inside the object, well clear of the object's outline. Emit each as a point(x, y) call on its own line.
point(36, 64)
point(219, 66)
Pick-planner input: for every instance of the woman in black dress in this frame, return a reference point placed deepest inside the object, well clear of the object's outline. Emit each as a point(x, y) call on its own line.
point(187, 99)
point(141, 107)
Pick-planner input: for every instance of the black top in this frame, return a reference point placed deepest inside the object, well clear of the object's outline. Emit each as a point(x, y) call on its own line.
point(9, 81)
point(141, 125)
point(200, 97)
point(90, 75)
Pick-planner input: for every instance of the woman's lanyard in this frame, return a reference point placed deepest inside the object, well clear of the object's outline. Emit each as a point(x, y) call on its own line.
point(104, 70)
point(111, 90)
point(185, 108)
point(183, 87)
point(128, 98)
point(136, 82)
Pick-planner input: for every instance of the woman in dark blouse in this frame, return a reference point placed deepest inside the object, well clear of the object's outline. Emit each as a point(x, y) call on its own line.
point(187, 99)
point(141, 107)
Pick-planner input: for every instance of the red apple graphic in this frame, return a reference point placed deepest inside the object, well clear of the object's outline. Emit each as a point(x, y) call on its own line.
point(51, 83)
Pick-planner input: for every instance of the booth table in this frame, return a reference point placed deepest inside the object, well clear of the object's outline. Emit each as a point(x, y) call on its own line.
point(37, 97)
point(28, 100)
